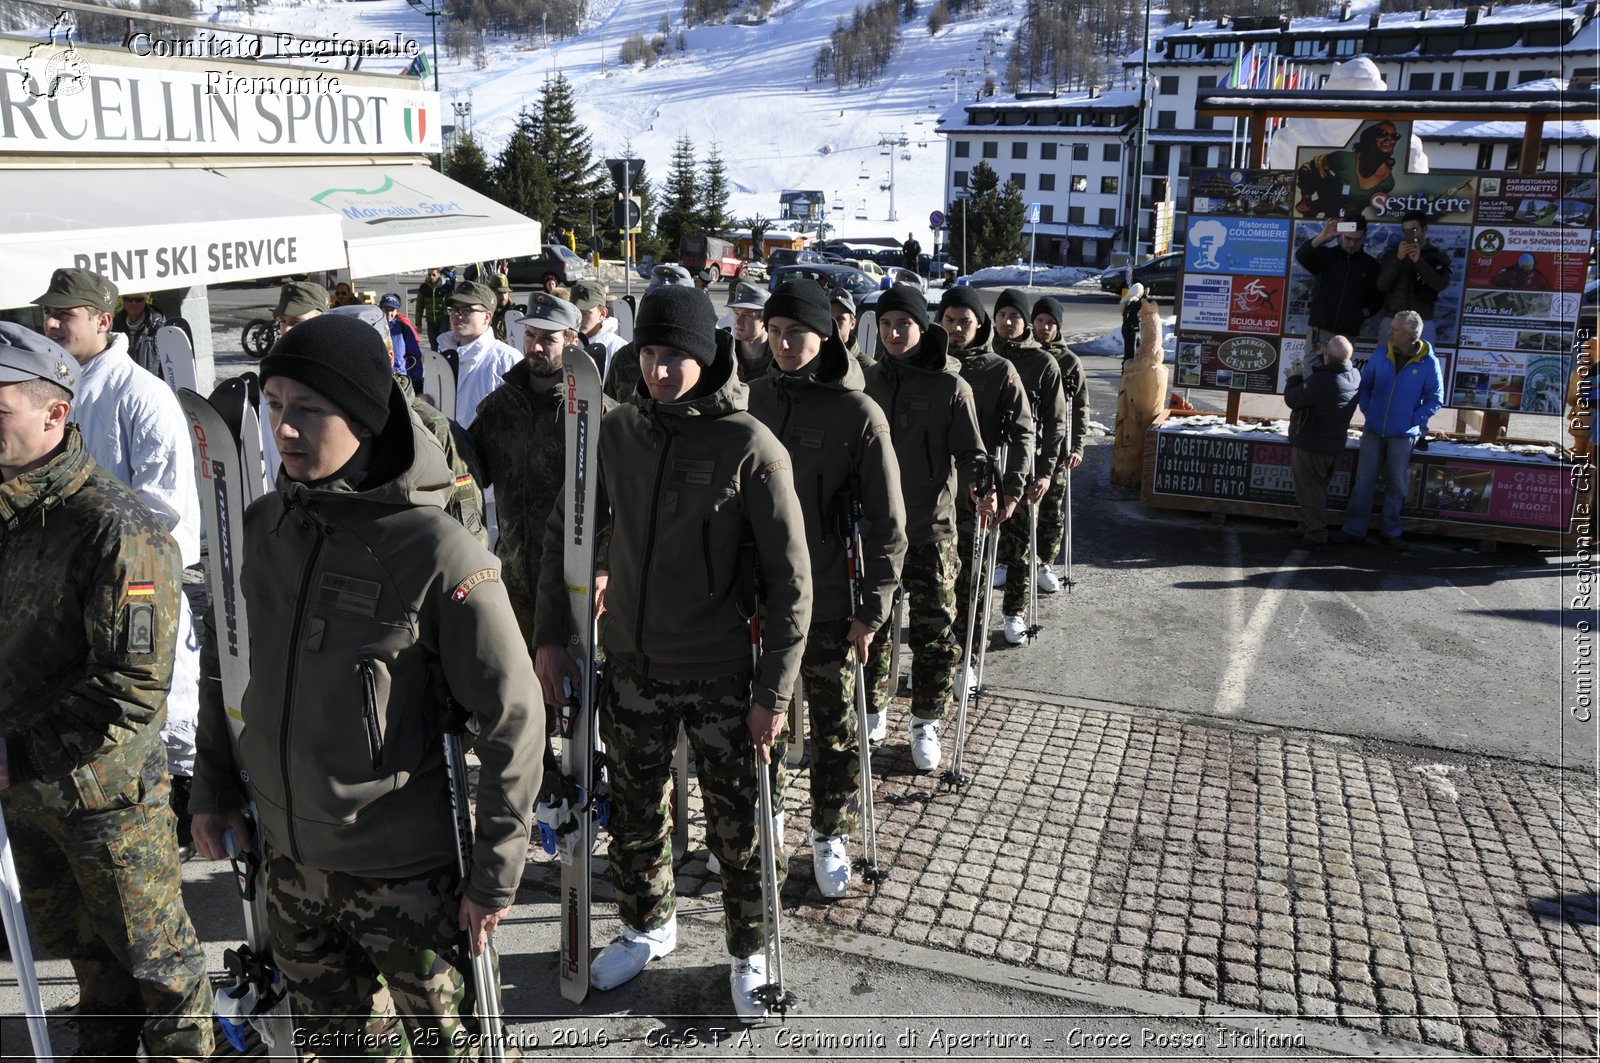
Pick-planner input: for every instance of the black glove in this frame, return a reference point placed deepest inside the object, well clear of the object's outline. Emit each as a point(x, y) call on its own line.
point(1422, 441)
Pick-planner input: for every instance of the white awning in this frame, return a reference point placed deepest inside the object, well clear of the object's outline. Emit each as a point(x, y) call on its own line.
point(398, 217)
point(153, 229)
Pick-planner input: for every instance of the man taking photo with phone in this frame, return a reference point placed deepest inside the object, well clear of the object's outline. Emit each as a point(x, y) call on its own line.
point(1411, 275)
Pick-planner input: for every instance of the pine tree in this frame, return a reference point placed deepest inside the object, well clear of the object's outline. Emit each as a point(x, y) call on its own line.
point(520, 174)
point(680, 211)
point(714, 217)
point(467, 164)
point(993, 220)
point(648, 239)
point(578, 184)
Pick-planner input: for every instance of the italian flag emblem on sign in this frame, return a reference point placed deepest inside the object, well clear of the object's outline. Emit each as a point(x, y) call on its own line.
point(416, 124)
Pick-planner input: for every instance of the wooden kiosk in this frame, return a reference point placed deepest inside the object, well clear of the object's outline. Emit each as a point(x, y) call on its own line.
point(1519, 247)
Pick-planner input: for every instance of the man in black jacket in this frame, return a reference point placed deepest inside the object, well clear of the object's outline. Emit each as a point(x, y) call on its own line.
point(1345, 292)
point(140, 321)
point(1411, 275)
point(1321, 394)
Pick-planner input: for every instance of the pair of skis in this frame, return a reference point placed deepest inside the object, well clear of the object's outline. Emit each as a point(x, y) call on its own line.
point(228, 469)
point(985, 550)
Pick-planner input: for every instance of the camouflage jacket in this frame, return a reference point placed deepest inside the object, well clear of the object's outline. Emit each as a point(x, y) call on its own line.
point(89, 591)
point(466, 501)
point(521, 444)
point(1041, 379)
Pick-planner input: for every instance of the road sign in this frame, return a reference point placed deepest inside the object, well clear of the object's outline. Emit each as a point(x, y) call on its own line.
point(625, 214)
point(635, 171)
point(1033, 214)
point(936, 220)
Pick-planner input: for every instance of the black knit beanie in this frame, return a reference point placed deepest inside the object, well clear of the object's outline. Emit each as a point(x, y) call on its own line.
point(1016, 300)
point(679, 317)
point(961, 295)
point(1051, 306)
point(343, 359)
point(907, 300)
point(803, 301)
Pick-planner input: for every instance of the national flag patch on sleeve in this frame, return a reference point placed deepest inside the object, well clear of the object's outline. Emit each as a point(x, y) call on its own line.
point(464, 480)
point(466, 586)
point(141, 588)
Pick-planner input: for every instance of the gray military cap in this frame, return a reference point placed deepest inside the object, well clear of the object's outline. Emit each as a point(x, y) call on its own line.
point(840, 297)
point(550, 314)
point(747, 297)
point(26, 355)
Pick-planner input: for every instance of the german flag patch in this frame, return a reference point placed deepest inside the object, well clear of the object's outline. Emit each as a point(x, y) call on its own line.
point(466, 586)
point(464, 480)
point(140, 589)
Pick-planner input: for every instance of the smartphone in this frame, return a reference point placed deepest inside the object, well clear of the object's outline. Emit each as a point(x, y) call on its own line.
point(1347, 227)
point(1413, 234)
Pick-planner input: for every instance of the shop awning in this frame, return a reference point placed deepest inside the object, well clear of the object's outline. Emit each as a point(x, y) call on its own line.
point(151, 229)
point(398, 217)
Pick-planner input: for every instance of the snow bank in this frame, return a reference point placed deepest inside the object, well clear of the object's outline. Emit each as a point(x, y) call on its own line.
point(1110, 345)
point(1042, 276)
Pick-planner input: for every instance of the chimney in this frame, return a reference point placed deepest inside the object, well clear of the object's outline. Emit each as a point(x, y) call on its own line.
point(1424, 13)
point(1094, 92)
point(1188, 22)
point(1372, 23)
point(1344, 11)
point(1472, 16)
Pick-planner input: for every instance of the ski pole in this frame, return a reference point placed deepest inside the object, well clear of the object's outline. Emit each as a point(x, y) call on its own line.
point(16, 922)
point(1033, 568)
point(988, 583)
point(1066, 540)
point(897, 625)
point(988, 477)
point(868, 863)
point(483, 974)
point(773, 994)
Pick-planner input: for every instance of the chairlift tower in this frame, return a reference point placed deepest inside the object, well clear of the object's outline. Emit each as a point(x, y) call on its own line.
point(894, 142)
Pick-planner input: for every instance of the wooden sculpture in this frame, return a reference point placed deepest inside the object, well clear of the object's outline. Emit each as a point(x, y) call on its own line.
point(1141, 396)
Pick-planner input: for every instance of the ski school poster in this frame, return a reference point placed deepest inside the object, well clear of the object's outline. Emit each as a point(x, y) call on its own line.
point(1517, 247)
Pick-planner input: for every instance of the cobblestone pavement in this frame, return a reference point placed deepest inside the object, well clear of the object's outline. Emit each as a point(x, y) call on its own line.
point(1445, 900)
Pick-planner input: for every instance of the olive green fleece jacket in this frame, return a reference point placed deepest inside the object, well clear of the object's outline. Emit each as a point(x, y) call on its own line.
point(1001, 404)
point(935, 433)
point(1041, 380)
point(1075, 382)
point(839, 441)
point(681, 485)
point(369, 609)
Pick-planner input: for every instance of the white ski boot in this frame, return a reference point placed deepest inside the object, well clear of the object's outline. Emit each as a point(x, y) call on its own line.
point(625, 957)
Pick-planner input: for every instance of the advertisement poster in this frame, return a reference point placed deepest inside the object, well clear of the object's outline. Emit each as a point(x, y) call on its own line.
point(1264, 193)
point(1511, 494)
point(1528, 260)
point(1554, 199)
point(1237, 245)
point(1508, 380)
point(1229, 363)
point(1233, 304)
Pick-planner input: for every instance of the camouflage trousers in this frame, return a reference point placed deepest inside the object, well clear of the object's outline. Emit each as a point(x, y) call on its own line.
point(1052, 525)
point(828, 674)
point(102, 888)
point(964, 532)
point(929, 578)
point(376, 968)
point(639, 721)
point(1014, 555)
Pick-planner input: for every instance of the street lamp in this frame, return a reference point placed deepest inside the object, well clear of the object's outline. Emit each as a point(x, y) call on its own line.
point(1143, 144)
point(433, 11)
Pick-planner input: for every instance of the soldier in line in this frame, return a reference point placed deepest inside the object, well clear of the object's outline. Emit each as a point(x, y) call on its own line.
point(466, 499)
point(433, 299)
point(695, 490)
point(1041, 381)
point(1001, 405)
point(622, 375)
point(392, 618)
point(597, 330)
point(940, 451)
point(521, 443)
point(132, 425)
point(92, 620)
point(299, 302)
point(749, 330)
point(1047, 319)
point(838, 439)
point(479, 358)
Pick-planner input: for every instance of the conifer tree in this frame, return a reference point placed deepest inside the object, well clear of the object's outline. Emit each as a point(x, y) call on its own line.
point(714, 217)
point(467, 164)
point(577, 183)
point(520, 174)
point(680, 209)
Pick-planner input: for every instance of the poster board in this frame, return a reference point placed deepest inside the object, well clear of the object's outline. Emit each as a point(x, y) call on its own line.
point(1517, 249)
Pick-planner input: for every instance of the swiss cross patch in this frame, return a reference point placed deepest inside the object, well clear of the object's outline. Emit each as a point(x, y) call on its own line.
point(466, 586)
point(773, 467)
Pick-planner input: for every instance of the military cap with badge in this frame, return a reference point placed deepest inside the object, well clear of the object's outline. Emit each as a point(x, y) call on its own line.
point(26, 355)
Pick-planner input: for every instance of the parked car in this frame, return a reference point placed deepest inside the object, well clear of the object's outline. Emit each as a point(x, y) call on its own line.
point(1159, 277)
point(826, 274)
point(555, 261)
point(867, 265)
point(695, 253)
point(901, 275)
point(788, 256)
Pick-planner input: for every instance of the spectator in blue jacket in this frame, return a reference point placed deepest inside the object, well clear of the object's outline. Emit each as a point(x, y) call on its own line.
point(1321, 395)
point(403, 338)
point(1401, 388)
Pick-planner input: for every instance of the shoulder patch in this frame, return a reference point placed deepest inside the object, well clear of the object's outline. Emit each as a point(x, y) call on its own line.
point(141, 589)
point(140, 623)
point(772, 467)
point(877, 430)
point(466, 586)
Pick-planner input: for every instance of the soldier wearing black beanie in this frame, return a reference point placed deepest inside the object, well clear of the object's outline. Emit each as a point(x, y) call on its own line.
point(907, 300)
point(803, 302)
point(341, 358)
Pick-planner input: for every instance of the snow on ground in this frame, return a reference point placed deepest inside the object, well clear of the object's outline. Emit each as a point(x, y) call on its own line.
point(748, 88)
point(1110, 344)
